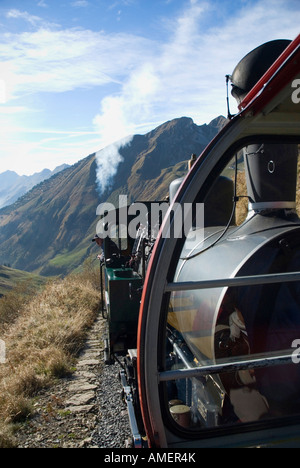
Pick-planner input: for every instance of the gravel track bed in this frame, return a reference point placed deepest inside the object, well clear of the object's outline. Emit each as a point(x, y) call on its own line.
point(83, 411)
point(113, 428)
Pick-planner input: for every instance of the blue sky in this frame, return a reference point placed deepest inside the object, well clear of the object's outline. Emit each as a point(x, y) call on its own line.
point(77, 75)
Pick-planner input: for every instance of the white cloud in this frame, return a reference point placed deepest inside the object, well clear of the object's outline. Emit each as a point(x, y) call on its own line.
point(17, 14)
point(154, 81)
point(121, 114)
point(29, 150)
point(187, 75)
point(3, 95)
point(11, 110)
point(63, 60)
point(42, 4)
point(80, 4)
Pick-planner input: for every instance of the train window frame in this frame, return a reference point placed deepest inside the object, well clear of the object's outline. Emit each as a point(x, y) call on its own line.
point(168, 420)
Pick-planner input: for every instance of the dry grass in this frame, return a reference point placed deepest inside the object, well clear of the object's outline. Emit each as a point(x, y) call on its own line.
point(42, 339)
point(13, 302)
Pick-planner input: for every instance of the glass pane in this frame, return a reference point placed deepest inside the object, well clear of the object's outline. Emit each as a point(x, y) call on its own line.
point(211, 326)
point(244, 395)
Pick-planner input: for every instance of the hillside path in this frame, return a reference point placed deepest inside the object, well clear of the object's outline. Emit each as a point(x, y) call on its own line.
point(80, 411)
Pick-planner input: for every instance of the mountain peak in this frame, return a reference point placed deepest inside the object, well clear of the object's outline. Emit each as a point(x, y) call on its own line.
point(49, 230)
point(219, 122)
point(177, 124)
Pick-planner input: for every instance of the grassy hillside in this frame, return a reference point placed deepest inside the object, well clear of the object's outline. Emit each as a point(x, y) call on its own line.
point(152, 161)
point(49, 230)
point(50, 220)
point(9, 278)
point(42, 338)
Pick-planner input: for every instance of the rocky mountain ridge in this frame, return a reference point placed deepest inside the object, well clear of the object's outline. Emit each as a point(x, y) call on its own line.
point(49, 230)
point(13, 186)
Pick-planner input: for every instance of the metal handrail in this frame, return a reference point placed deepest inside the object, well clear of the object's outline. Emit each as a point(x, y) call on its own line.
point(237, 281)
point(233, 366)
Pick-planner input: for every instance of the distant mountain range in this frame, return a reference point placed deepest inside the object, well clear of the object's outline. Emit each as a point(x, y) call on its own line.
point(49, 229)
point(13, 186)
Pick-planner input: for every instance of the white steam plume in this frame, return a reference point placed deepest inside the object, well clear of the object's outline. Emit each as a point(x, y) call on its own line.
point(185, 74)
point(118, 121)
point(108, 160)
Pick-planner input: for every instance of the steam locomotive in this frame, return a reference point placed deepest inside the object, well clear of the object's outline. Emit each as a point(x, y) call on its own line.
point(206, 325)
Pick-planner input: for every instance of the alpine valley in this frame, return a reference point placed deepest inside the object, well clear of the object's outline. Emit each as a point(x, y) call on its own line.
point(48, 230)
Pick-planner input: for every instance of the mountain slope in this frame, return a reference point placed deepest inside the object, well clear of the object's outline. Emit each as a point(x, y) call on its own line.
point(49, 230)
point(13, 186)
point(52, 217)
point(9, 278)
point(152, 161)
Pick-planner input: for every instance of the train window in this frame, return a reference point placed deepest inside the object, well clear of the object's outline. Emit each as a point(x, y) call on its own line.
point(218, 202)
point(233, 321)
